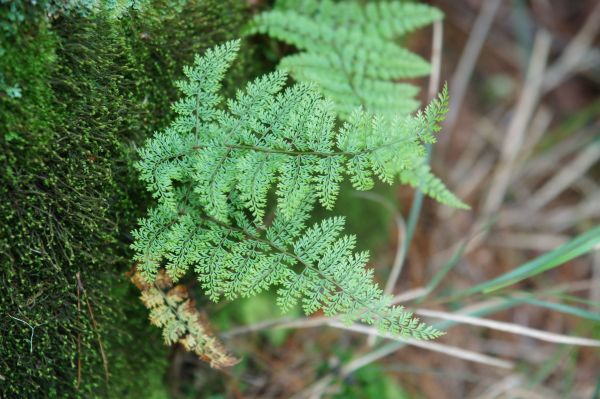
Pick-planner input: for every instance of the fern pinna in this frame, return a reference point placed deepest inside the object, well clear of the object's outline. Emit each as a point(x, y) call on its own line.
point(236, 184)
point(349, 50)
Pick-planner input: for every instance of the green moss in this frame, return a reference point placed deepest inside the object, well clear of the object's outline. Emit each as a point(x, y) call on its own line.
point(164, 42)
point(90, 87)
point(61, 138)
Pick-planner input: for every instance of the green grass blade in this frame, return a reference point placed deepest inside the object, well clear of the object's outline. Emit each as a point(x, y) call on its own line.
point(439, 276)
point(576, 299)
point(570, 250)
point(562, 308)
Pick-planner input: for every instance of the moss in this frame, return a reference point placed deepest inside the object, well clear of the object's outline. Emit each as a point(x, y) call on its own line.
point(164, 42)
point(58, 234)
point(91, 86)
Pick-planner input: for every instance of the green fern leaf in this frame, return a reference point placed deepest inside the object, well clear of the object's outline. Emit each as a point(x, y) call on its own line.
point(350, 50)
point(212, 172)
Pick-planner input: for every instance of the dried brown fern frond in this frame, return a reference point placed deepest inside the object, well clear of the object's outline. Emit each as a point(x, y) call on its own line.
point(172, 309)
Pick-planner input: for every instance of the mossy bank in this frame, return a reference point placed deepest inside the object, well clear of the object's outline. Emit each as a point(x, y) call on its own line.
point(79, 90)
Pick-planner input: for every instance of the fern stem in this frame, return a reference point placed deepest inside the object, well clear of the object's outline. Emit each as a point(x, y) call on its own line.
point(200, 147)
point(278, 151)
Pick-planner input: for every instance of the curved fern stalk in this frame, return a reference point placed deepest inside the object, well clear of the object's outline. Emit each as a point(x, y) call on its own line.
point(350, 50)
point(212, 171)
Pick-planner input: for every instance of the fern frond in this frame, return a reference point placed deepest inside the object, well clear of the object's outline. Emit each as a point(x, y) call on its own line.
point(173, 311)
point(213, 172)
point(349, 50)
point(315, 266)
point(380, 16)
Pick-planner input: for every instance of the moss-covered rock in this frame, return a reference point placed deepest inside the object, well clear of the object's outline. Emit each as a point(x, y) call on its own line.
point(58, 235)
point(90, 87)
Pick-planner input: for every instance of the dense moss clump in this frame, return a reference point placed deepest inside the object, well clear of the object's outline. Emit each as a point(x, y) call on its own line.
point(58, 238)
point(89, 87)
point(166, 41)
